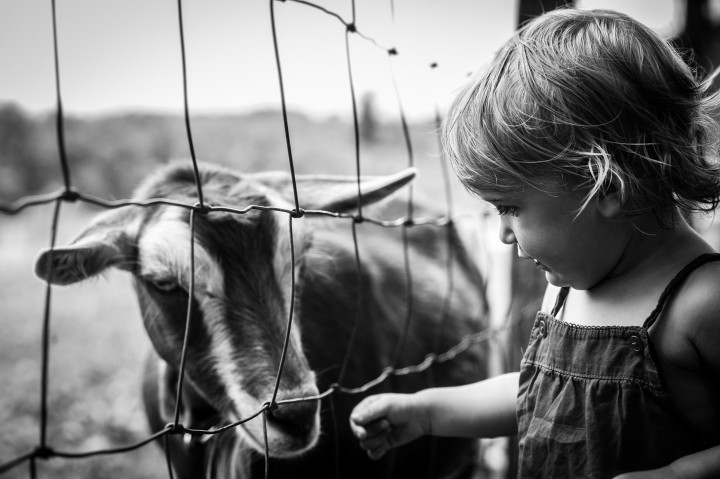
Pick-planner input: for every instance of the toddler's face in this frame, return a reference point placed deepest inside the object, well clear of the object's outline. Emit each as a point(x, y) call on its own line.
point(576, 250)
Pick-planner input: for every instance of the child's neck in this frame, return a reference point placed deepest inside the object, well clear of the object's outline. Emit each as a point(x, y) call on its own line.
point(652, 257)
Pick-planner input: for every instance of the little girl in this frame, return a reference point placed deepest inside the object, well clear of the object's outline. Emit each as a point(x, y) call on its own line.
point(591, 137)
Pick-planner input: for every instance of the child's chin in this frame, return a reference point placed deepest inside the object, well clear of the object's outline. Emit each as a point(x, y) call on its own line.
point(555, 279)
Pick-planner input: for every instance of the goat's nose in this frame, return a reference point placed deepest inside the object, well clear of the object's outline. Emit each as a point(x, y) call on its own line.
point(295, 417)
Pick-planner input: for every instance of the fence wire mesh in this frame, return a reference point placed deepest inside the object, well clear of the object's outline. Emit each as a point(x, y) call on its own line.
point(69, 194)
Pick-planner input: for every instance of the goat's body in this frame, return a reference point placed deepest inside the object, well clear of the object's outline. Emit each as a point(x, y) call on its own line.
point(359, 327)
point(327, 309)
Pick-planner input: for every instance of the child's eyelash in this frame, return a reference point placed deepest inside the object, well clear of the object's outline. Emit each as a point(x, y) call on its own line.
point(507, 210)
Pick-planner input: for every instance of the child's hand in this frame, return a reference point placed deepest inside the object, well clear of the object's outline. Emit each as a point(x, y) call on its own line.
point(385, 421)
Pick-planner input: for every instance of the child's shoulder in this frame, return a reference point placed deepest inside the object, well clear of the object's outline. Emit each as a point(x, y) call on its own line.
point(690, 324)
point(697, 301)
point(687, 341)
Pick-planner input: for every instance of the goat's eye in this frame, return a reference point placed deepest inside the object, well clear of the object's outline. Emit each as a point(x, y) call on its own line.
point(165, 285)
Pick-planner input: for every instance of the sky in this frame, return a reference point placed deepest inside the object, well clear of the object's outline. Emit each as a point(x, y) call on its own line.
point(125, 55)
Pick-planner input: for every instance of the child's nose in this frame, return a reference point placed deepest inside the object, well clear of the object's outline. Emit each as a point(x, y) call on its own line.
point(507, 235)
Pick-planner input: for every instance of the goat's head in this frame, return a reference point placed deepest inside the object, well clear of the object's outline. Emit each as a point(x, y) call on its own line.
point(241, 286)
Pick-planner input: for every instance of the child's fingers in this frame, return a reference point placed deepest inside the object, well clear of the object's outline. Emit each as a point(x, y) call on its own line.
point(378, 452)
point(378, 439)
point(370, 409)
point(376, 431)
point(369, 430)
point(370, 421)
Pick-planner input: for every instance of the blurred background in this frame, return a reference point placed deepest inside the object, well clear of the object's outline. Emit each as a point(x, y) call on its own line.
point(121, 85)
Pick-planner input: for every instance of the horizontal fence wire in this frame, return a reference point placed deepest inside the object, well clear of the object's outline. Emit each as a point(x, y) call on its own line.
point(70, 194)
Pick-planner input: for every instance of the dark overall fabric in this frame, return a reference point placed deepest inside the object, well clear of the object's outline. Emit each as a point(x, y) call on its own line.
point(592, 402)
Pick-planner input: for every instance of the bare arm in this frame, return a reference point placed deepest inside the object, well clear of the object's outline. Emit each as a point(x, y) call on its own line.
point(702, 315)
point(701, 465)
point(701, 318)
point(700, 307)
point(482, 409)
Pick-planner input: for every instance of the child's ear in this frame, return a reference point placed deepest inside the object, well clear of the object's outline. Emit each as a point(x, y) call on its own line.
point(610, 205)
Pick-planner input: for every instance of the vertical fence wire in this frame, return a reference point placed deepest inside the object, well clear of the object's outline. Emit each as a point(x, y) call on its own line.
point(288, 328)
point(168, 456)
point(265, 444)
point(350, 28)
point(188, 323)
point(43, 449)
point(449, 213)
point(359, 302)
point(409, 302)
point(44, 377)
point(59, 115)
point(176, 427)
point(186, 106)
point(283, 104)
point(336, 443)
point(356, 127)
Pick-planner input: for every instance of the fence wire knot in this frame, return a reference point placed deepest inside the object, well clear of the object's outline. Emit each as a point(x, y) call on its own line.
point(175, 428)
point(270, 406)
point(297, 213)
point(70, 196)
point(202, 208)
point(44, 452)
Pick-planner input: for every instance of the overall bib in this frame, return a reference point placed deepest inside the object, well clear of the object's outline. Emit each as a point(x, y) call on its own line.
point(592, 402)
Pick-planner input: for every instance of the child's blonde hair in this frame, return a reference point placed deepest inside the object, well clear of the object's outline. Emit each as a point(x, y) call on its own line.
point(589, 99)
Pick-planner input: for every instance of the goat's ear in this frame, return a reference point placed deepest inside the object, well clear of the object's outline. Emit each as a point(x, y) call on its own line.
point(338, 193)
point(104, 243)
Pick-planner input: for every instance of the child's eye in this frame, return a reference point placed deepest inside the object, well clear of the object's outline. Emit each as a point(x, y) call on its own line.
point(507, 210)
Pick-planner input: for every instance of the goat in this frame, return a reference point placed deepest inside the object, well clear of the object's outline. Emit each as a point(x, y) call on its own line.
point(240, 309)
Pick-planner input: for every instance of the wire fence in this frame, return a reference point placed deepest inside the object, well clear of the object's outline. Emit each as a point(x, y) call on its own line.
point(69, 194)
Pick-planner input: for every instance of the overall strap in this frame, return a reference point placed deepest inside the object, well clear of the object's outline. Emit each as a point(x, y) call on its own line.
point(560, 301)
point(676, 282)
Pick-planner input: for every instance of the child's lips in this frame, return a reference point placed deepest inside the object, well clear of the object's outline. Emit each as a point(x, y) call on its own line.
point(540, 266)
point(522, 254)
